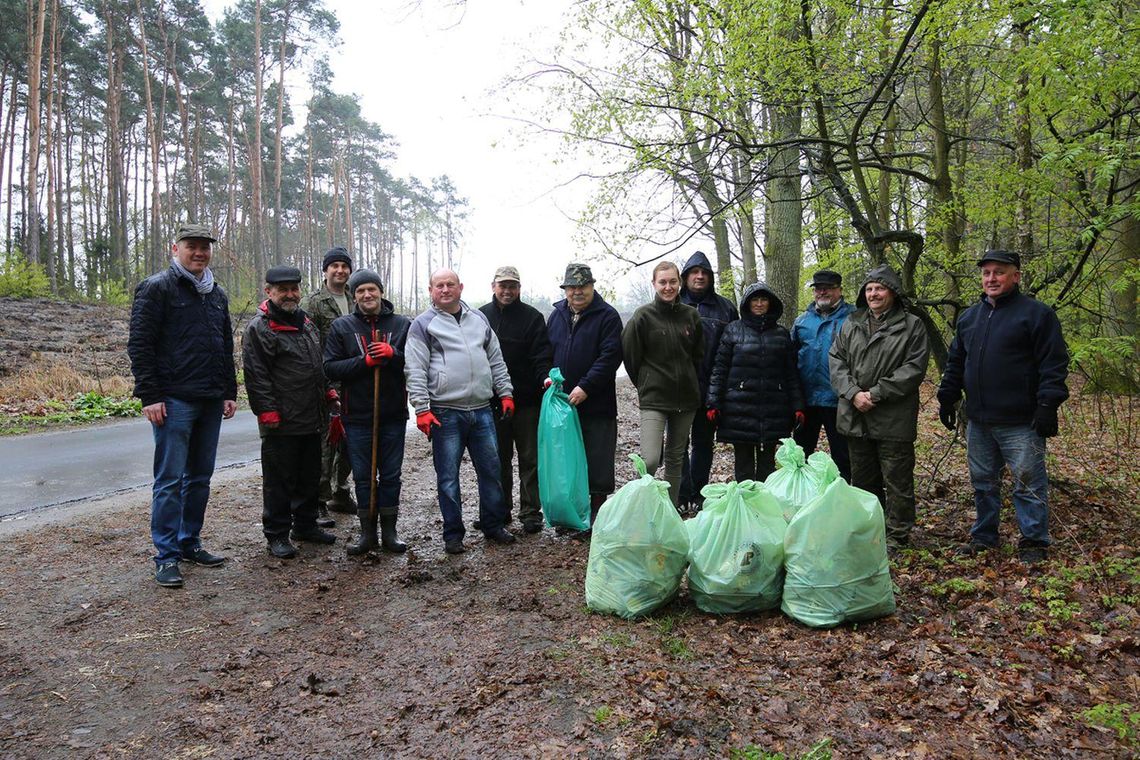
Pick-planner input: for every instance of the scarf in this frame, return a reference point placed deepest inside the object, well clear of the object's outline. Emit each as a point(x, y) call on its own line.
point(203, 285)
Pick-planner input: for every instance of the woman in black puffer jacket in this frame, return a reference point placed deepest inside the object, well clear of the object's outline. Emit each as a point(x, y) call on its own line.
point(754, 393)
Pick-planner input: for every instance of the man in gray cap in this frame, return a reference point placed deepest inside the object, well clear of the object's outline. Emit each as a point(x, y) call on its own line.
point(1009, 357)
point(284, 377)
point(521, 330)
point(182, 356)
point(331, 301)
point(585, 332)
point(813, 333)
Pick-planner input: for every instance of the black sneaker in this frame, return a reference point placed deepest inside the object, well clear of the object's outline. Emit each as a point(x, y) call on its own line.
point(202, 557)
point(1032, 555)
point(972, 549)
point(281, 548)
point(455, 546)
point(168, 575)
point(532, 526)
point(313, 535)
point(323, 519)
point(501, 536)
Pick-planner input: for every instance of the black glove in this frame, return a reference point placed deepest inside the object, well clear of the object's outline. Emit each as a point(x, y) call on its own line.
point(949, 416)
point(1045, 421)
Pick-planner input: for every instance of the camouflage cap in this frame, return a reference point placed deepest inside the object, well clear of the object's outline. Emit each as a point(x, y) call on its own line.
point(192, 230)
point(506, 274)
point(577, 275)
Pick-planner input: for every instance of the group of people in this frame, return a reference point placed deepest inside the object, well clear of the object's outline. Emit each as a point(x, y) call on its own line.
point(331, 378)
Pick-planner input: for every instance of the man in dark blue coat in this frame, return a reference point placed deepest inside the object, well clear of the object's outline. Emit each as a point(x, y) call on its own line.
point(1009, 357)
point(585, 333)
point(716, 312)
point(181, 348)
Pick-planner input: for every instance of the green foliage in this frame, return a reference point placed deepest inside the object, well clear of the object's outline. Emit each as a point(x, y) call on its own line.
point(962, 586)
point(821, 750)
point(602, 714)
point(20, 278)
point(1109, 363)
point(1120, 718)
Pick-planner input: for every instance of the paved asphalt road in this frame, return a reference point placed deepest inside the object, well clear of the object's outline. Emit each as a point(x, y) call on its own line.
point(47, 469)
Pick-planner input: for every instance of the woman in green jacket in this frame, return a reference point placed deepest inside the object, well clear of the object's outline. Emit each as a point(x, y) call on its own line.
point(663, 345)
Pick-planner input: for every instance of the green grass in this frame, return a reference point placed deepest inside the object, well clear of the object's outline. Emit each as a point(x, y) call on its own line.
point(821, 750)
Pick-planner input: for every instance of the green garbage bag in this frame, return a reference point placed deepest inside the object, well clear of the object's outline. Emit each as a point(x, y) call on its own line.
point(563, 485)
point(835, 560)
point(736, 549)
point(797, 481)
point(638, 550)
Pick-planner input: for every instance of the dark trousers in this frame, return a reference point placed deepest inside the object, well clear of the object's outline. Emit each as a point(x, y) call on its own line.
point(335, 471)
point(520, 432)
point(290, 479)
point(599, 438)
point(695, 469)
point(754, 461)
point(886, 469)
point(807, 436)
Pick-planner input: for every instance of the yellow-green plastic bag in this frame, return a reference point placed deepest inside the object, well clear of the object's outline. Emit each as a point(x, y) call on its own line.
point(638, 550)
point(736, 549)
point(797, 481)
point(835, 560)
point(563, 484)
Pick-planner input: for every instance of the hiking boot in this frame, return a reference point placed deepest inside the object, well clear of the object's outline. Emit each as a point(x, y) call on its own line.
point(313, 535)
point(342, 503)
point(281, 548)
point(1032, 555)
point(367, 541)
point(323, 519)
point(168, 575)
point(454, 546)
point(500, 536)
point(972, 549)
point(389, 540)
point(532, 526)
point(202, 557)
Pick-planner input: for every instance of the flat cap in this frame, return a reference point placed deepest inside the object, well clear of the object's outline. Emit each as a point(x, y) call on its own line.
point(280, 275)
point(825, 278)
point(577, 275)
point(506, 273)
point(192, 230)
point(1001, 257)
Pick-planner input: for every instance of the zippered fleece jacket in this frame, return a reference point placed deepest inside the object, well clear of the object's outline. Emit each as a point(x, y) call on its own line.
point(454, 361)
point(663, 347)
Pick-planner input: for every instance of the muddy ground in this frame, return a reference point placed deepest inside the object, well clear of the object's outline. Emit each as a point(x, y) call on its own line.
point(493, 653)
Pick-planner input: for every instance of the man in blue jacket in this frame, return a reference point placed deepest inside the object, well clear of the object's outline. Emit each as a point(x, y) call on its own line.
point(813, 333)
point(716, 312)
point(585, 332)
point(1009, 357)
point(181, 348)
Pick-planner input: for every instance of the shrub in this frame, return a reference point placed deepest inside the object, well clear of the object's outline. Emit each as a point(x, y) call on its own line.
point(20, 278)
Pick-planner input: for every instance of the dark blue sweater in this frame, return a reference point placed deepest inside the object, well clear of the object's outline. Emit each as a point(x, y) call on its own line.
point(588, 353)
point(1009, 358)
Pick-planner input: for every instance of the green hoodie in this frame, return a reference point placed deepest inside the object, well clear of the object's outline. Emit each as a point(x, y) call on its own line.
point(663, 346)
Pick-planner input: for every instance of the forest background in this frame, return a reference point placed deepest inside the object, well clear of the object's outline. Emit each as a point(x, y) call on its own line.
point(778, 136)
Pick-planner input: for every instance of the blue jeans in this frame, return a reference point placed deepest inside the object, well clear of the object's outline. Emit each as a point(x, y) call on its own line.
point(475, 432)
point(988, 449)
point(184, 449)
point(389, 463)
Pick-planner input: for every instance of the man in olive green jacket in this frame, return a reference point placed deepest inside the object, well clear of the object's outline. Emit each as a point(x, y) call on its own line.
point(324, 306)
point(877, 364)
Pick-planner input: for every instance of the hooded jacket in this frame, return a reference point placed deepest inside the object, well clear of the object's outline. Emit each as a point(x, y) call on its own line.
point(813, 333)
point(663, 347)
point(588, 353)
point(755, 384)
point(1009, 357)
point(281, 356)
point(890, 363)
point(345, 348)
point(715, 311)
point(521, 330)
point(454, 361)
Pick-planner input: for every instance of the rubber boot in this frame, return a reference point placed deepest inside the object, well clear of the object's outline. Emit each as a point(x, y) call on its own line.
point(388, 538)
point(367, 541)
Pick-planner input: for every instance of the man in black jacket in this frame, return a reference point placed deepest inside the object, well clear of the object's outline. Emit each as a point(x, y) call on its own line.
point(521, 330)
point(1009, 356)
point(281, 354)
point(182, 356)
point(716, 312)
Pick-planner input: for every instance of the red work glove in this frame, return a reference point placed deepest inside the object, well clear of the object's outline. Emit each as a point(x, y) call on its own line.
point(271, 419)
point(425, 421)
point(801, 419)
point(547, 383)
point(336, 430)
point(508, 407)
point(713, 416)
point(376, 352)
